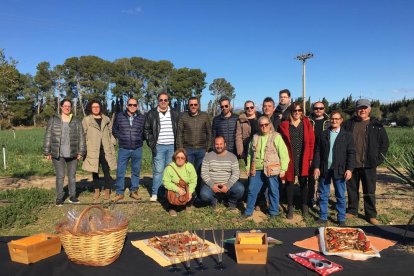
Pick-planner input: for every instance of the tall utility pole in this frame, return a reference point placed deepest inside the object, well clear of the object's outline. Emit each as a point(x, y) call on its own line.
point(303, 58)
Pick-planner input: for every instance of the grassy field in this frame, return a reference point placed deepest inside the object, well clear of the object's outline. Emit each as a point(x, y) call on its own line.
point(24, 153)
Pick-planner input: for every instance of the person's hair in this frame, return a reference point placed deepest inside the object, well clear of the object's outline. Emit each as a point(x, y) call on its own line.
point(313, 105)
point(163, 93)
point(65, 100)
point(219, 136)
point(269, 100)
point(180, 150)
point(337, 112)
point(264, 117)
point(132, 98)
point(284, 91)
point(194, 98)
point(248, 101)
point(293, 107)
point(224, 98)
point(89, 106)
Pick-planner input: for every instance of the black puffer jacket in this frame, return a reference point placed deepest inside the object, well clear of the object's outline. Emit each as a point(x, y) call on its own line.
point(53, 135)
point(129, 137)
point(226, 127)
point(343, 153)
point(152, 127)
point(376, 141)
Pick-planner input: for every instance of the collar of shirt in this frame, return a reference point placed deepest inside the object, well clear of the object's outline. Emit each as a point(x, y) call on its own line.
point(336, 130)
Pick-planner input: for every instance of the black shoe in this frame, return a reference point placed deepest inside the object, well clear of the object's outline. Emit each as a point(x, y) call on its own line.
point(321, 222)
point(213, 204)
point(289, 214)
point(74, 200)
point(59, 202)
point(342, 224)
point(231, 206)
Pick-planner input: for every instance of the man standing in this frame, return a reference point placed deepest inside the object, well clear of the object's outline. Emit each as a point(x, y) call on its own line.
point(220, 174)
point(194, 133)
point(160, 132)
point(283, 106)
point(128, 128)
point(224, 124)
point(334, 159)
point(371, 143)
point(320, 122)
point(268, 108)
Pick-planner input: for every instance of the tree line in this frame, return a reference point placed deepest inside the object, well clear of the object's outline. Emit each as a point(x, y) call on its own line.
point(31, 100)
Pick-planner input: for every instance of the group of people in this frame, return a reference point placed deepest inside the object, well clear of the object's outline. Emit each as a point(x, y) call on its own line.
point(281, 148)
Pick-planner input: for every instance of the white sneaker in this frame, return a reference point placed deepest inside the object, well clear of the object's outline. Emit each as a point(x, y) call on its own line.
point(153, 198)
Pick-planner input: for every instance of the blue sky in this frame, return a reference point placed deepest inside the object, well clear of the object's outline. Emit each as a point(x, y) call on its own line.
point(363, 48)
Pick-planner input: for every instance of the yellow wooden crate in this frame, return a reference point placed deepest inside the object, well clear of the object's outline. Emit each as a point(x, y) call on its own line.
point(251, 248)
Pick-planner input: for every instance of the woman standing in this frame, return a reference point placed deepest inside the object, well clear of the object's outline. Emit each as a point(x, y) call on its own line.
point(64, 144)
point(180, 168)
point(100, 150)
point(300, 140)
point(268, 158)
point(246, 127)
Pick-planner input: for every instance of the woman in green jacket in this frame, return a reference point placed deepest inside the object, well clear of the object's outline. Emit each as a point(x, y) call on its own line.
point(180, 167)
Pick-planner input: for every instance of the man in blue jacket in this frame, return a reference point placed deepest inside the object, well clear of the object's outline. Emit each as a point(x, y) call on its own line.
point(128, 128)
point(224, 125)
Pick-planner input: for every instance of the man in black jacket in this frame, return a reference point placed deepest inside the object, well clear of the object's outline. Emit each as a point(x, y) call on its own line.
point(128, 128)
point(224, 125)
point(160, 131)
point(371, 143)
point(334, 159)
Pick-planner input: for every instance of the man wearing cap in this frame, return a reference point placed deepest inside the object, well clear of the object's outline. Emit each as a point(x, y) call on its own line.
point(371, 144)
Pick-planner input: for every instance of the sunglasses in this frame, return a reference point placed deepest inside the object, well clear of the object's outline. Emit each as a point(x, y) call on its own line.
point(162, 100)
point(224, 106)
point(318, 108)
point(249, 107)
point(134, 105)
point(298, 110)
point(180, 157)
point(193, 104)
point(264, 125)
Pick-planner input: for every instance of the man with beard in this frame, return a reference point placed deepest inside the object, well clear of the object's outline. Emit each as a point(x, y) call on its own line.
point(220, 174)
point(224, 124)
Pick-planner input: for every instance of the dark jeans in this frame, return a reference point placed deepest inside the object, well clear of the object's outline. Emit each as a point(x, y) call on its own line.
point(312, 197)
point(105, 169)
point(256, 183)
point(368, 177)
point(290, 190)
point(234, 194)
point(195, 157)
point(60, 164)
point(325, 189)
point(124, 155)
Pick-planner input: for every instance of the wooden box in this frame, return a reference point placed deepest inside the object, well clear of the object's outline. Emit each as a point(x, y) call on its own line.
point(34, 248)
point(251, 253)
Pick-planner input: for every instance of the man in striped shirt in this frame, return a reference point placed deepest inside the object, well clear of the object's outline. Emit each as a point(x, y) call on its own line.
point(220, 174)
point(160, 132)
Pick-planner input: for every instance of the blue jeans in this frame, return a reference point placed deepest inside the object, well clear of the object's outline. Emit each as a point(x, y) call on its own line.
point(123, 157)
point(162, 158)
point(195, 157)
point(70, 164)
point(340, 188)
point(234, 194)
point(255, 185)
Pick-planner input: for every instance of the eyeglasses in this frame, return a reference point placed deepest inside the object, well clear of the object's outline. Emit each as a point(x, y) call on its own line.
point(67, 106)
point(298, 110)
point(96, 106)
point(162, 100)
point(193, 104)
point(335, 119)
point(264, 125)
point(318, 108)
point(134, 105)
point(224, 106)
point(249, 107)
point(180, 157)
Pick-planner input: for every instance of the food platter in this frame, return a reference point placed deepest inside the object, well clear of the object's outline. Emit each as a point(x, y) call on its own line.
point(346, 242)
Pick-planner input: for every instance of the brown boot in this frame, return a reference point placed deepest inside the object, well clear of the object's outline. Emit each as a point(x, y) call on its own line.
point(107, 194)
point(117, 198)
point(96, 195)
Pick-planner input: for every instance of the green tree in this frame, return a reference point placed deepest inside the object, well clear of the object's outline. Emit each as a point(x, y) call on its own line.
point(220, 87)
point(186, 83)
point(45, 85)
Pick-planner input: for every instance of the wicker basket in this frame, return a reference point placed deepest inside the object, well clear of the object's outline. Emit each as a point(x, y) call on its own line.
point(96, 248)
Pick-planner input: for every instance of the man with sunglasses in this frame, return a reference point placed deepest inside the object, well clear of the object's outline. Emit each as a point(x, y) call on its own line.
point(246, 127)
point(160, 131)
point(128, 128)
point(371, 144)
point(320, 122)
point(224, 124)
point(194, 133)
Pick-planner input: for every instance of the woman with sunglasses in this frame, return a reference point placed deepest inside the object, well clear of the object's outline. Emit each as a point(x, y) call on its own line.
point(268, 158)
point(299, 138)
point(180, 168)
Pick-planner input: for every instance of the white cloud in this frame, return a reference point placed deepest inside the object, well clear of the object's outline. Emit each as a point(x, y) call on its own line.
point(132, 11)
point(403, 90)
